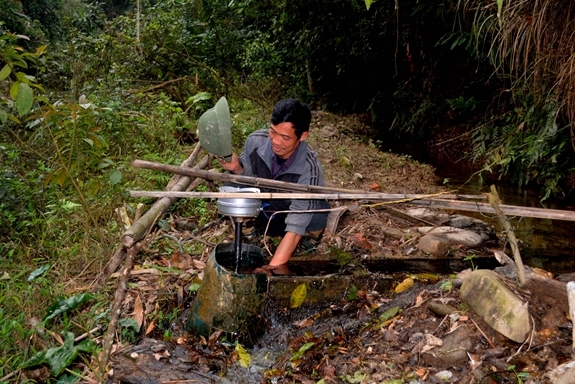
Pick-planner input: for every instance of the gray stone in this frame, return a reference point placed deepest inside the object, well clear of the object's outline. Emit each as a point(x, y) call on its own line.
point(427, 214)
point(440, 308)
point(453, 352)
point(563, 374)
point(434, 245)
point(458, 236)
point(496, 304)
point(486, 230)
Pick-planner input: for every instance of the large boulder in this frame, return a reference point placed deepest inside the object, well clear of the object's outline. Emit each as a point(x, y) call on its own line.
point(562, 374)
point(497, 305)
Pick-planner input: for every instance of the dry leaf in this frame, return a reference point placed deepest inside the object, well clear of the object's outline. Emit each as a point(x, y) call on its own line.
point(198, 264)
point(138, 311)
point(162, 353)
point(419, 299)
point(57, 337)
point(422, 373)
point(433, 340)
point(361, 241)
point(374, 186)
point(181, 261)
point(151, 327)
point(304, 323)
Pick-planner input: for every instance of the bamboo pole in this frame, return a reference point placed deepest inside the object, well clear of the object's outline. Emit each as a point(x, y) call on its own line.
point(278, 195)
point(265, 183)
point(138, 229)
point(421, 200)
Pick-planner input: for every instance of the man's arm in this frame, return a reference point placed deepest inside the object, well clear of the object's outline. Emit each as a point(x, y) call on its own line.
point(285, 249)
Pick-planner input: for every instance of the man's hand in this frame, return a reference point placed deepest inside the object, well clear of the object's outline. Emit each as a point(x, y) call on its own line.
point(274, 270)
point(233, 166)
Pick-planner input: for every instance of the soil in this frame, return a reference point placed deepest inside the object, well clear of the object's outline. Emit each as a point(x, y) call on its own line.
point(412, 328)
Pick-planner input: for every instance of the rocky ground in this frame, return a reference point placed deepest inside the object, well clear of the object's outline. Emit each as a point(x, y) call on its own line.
point(400, 318)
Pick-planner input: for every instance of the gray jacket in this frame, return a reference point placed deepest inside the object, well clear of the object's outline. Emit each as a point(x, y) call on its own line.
point(256, 160)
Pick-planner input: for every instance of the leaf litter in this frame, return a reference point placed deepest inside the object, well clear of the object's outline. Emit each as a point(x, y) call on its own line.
point(416, 330)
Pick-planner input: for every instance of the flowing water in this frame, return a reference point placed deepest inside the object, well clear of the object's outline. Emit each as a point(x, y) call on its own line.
point(548, 244)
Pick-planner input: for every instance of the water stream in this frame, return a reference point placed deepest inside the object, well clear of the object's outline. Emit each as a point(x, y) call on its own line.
point(548, 244)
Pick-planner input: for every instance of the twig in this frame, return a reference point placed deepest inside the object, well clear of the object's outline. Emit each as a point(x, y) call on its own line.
point(9, 376)
point(484, 335)
point(494, 201)
point(530, 339)
point(84, 335)
point(139, 210)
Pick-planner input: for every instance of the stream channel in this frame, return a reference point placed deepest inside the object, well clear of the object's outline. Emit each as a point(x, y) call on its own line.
point(547, 244)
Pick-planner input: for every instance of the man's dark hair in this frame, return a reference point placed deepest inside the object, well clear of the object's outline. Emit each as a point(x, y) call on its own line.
point(292, 111)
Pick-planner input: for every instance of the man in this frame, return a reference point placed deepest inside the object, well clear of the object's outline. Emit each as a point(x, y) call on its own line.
point(281, 153)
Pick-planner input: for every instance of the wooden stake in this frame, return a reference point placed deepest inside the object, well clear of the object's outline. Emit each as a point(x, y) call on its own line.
point(571, 298)
point(494, 201)
point(117, 308)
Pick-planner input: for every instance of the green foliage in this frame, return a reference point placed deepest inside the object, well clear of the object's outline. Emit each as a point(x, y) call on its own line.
point(470, 259)
point(17, 66)
point(65, 305)
point(58, 358)
point(526, 146)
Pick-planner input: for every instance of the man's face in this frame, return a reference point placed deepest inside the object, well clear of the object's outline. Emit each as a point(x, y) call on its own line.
point(284, 140)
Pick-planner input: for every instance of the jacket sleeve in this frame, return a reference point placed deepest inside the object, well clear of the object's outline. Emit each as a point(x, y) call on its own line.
point(244, 157)
point(313, 175)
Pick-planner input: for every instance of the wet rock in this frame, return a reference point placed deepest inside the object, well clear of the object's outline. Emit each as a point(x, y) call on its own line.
point(455, 236)
point(393, 232)
point(452, 352)
point(440, 308)
point(496, 304)
point(427, 214)
point(434, 245)
point(563, 374)
point(480, 227)
point(566, 277)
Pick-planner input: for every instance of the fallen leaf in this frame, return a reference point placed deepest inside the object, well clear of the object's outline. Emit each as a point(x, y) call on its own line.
point(433, 340)
point(422, 373)
point(419, 299)
point(162, 353)
point(374, 186)
point(198, 264)
point(304, 323)
point(404, 285)
point(138, 314)
point(244, 356)
point(298, 296)
point(150, 327)
point(181, 261)
point(361, 241)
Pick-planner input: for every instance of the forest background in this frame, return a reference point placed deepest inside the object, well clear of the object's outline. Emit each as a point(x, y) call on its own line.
point(87, 87)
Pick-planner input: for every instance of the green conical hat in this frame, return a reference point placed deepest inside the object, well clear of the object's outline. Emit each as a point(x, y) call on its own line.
point(215, 130)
